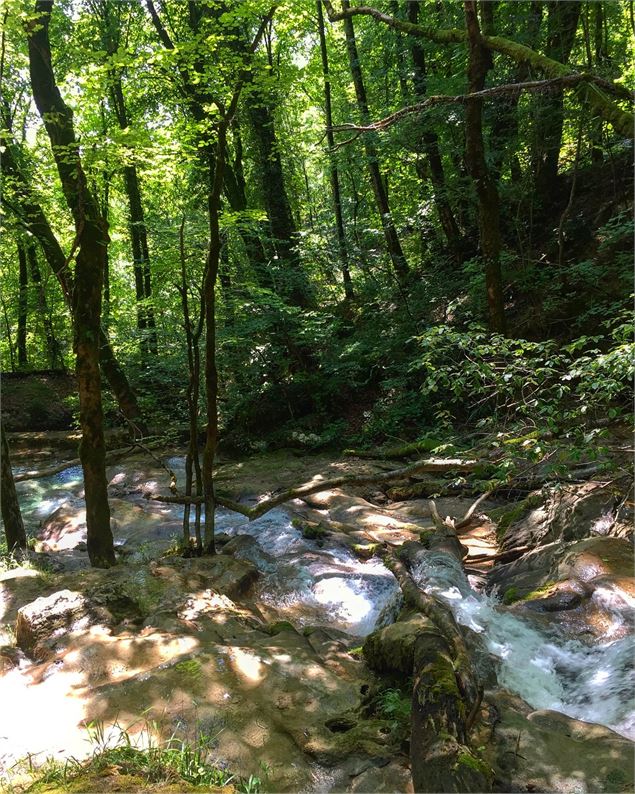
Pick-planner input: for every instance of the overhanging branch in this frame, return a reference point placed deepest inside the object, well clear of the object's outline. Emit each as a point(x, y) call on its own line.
point(621, 120)
point(568, 81)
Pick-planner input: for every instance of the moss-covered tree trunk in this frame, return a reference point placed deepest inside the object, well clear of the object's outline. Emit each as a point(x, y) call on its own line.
point(91, 241)
point(484, 183)
point(11, 515)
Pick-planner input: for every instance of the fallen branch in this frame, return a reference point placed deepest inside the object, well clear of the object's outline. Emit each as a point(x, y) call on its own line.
point(426, 465)
point(508, 555)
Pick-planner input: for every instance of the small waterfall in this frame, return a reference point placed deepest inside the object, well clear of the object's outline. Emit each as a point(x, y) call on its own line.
point(312, 585)
point(546, 668)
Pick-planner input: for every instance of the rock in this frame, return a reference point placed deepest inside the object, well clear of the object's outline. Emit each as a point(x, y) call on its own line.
point(560, 601)
point(60, 613)
point(393, 777)
point(548, 751)
point(569, 512)
point(595, 557)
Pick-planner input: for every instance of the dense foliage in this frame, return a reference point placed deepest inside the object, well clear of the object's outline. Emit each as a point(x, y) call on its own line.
point(301, 359)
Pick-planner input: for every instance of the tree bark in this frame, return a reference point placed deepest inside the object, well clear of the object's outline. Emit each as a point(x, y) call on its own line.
point(430, 145)
point(334, 175)
point(91, 240)
point(393, 244)
point(23, 304)
point(562, 23)
point(54, 354)
point(283, 231)
point(138, 236)
point(11, 515)
point(486, 189)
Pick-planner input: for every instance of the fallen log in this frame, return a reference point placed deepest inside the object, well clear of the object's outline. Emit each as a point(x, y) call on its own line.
point(446, 694)
point(426, 465)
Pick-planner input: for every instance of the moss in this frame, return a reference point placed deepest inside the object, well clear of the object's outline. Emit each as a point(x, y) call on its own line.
point(425, 536)
point(469, 761)
point(512, 594)
point(442, 680)
point(365, 550)
point(516, 512)
point(279, 626)
point(309, 531)
point(190, 668)
point(617, 780)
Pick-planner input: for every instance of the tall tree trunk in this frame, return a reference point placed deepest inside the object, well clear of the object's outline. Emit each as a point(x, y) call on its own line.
point(486, 189)
point(138, 236)
point(334, 175)
point(393, 244)
point(54, 354)
point(235, 192)
point(211, 372)
point(430, 145)
point(562, 24)
point(11, 515)
point(23, 304)
point(284, 234)
point(92, 240)
point(35, 221)
point(9, 339)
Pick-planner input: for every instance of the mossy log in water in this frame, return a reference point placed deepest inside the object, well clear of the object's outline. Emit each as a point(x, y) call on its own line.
point(446, 693)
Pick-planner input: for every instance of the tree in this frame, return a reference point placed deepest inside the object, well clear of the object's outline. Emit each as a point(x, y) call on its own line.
point(330, 139)
point(11, 515)
point(91, 244)
point(486, 189)
point(393, 244)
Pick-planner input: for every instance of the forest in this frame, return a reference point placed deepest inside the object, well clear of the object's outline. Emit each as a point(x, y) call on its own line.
point(316, 397)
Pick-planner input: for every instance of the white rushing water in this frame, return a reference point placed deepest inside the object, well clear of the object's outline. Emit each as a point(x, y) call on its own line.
point(545, 667)
point(311, 585)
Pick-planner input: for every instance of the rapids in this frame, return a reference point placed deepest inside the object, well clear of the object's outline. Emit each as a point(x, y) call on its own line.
point(548, 669)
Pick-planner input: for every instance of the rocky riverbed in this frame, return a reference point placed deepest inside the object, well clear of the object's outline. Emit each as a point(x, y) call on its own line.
point(258, 648)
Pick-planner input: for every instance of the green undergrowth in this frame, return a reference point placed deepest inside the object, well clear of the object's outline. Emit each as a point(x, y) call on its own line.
point(124, 764)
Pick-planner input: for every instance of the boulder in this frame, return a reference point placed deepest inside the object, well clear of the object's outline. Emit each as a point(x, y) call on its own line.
point(49, 617)
point(548, 751)
point(568, 513)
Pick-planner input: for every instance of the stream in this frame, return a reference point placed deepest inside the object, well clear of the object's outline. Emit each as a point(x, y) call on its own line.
point(309, 582)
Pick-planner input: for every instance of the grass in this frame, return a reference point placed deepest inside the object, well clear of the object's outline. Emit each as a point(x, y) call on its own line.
point(129, 765)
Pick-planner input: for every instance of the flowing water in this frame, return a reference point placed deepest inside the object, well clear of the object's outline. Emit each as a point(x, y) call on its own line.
point(310, 583)
point(545, 667)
